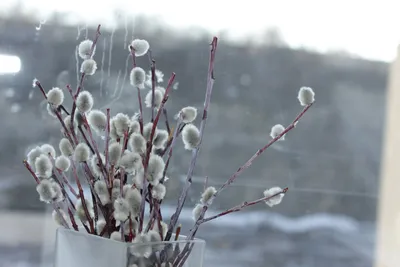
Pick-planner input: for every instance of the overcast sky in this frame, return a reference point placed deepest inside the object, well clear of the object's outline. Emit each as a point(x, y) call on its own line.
point(369, 28)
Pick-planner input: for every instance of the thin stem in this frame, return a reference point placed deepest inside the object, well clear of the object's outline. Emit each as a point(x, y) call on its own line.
point(78, 89)
point(246, 165)
point(241, 206)
point(149, 148)
point(85, 138)
point(140, 110)
point(166, 120)
point(174, 138)
point(107, 137)
point(29, 168)
point(182, 198)
point(153, 86)
point(88, 217)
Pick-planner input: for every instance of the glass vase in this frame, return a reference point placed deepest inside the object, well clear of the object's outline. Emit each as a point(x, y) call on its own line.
point(80, 249)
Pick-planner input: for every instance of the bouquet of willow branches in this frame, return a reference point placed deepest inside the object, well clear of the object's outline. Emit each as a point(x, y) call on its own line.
point(129, 173)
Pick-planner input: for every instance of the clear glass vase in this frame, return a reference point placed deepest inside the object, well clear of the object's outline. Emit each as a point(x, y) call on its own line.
point(80, 249)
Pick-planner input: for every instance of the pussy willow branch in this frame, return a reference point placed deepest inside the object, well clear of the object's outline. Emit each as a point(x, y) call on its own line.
point(78, 89)
point(153, 82)
point(90, 220)
point(246, 165)
point(241, 206)
point(29, 168)
point(166, 120)
point(107, 138)
point(149, 148)
point(182, 198)
point(175, 136)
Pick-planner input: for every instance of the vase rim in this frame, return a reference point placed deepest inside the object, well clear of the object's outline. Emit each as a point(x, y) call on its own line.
point(183, 240)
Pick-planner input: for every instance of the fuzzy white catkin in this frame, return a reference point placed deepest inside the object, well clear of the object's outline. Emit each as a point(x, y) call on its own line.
point(128, 224)
point(62, 163)
point(95, 164)
point(82, 152)
point(114, 153)
point(147, 128)
point(113, 130)
point(33, 155)
point(134, 127)
point(158, 96)
point(43, 166)
point(164, 227)
point(122, 123)
point(50, 110)
point(140, 47)
point(80, 212)
point(138, 77)
point(100, 187)
point(48, 150)
point(137, 178)
point(115, 191)
point(58, 191)
point(65, 147)
point(67, 122)
point(84, 101)
point(116, 236)
point(137, 143)
point(276, 199)
point(276, 130)
point(131, 161)
point(84, 49)
point(188, 114)
point(100, 226)
point(134, 198)
point(97, 120)
point(160, 138)
point(159, 191)
point(155, 169)
point(46, 191)
point(121, 209)
point(197, 211)
point(154, 236)
point(55, 96)
point(78, 120)
point(143, 250)
point(306, 96)
point(89, 66)
point(207, 194)
point(190, 136)
point(59, 217)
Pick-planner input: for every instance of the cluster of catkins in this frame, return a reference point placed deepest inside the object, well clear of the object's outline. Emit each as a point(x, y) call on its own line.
point(124, 199)
point(117, 177)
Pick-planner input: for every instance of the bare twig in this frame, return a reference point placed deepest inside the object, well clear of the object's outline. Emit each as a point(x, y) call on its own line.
point(182, 198)
point(78, 89)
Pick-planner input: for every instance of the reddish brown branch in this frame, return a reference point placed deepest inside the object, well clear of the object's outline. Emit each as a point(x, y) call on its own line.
point(182, 198)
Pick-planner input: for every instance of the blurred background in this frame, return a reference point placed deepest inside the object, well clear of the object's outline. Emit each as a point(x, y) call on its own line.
point(267, 50)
